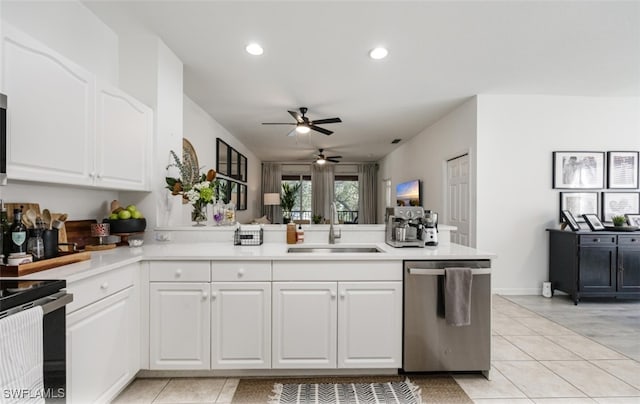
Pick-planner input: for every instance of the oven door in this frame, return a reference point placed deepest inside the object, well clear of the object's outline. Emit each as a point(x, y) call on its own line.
point(54, 347)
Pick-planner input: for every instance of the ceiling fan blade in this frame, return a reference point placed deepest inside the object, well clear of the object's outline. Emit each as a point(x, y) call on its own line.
point(332, 160)
point(278, 123)
point(334, 157)
point(328, 120)
point(321, 130)
point(296, 115)
point(293, 132)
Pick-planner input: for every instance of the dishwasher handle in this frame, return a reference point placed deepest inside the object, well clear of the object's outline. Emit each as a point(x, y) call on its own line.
point(440, 271)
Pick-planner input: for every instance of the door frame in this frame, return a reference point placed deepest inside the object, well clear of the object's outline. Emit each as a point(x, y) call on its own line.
point(472, 190)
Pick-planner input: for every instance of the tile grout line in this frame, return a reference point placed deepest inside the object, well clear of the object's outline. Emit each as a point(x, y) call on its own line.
point(161, 390)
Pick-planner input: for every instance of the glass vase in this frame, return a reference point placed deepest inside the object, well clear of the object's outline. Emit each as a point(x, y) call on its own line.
point(199, 214)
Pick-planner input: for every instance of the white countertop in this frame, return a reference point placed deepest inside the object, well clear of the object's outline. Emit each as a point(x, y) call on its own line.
point(103, 261)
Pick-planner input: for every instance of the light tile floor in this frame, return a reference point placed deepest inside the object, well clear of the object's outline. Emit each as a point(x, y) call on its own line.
point(543, 351)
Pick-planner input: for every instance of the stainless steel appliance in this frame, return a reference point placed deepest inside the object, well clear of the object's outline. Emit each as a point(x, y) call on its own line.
point(429, 343)
point(430, 231)
point(404, 226)
point(18, 295)
point(3, 139)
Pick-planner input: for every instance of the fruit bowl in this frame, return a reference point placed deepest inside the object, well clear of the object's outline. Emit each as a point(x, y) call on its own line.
point(126, 225)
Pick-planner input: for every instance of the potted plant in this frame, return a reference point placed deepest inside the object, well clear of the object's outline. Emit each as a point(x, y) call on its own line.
point(317, 219)
point(288, 200)
point(618, 220)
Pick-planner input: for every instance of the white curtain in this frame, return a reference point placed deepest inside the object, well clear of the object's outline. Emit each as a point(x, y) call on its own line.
point(368, 193)
point(271, 182)
point(322, 193)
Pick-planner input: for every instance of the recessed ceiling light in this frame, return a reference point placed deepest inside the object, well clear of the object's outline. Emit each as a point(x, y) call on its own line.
point(254, 49)
point(378, 53)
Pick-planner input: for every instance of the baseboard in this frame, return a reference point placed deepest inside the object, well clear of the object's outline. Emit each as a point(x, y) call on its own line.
point(516, 291)
point(266, 373)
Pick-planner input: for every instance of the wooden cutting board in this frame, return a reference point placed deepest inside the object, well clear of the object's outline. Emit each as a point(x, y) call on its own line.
point(25, 205)
point(25, 269)
point(79, 231)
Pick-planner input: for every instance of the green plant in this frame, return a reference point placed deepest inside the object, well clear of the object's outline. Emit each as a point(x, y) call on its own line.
point(317, 219)
point(618, 220)
point(288, 197)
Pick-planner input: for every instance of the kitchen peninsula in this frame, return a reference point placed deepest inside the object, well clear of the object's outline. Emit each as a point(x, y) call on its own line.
point(211, 308)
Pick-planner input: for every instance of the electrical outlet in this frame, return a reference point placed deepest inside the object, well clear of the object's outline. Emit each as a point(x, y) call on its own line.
point(160, 236)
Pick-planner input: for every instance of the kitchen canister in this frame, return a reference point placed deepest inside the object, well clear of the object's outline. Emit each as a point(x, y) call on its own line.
point(50, 240)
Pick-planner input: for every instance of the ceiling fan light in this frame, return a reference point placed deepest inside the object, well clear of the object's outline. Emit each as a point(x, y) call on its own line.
point(254, 49)
point(321, 161)
point(378, 53)
point(302, 129)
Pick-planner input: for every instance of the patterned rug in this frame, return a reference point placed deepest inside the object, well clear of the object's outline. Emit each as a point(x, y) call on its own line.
point(347, 393)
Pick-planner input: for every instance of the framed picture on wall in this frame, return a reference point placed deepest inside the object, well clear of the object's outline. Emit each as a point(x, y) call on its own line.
point(578, 204)
point(578, 170)
point(622, 169)
point(222, 157)
point(619, 204)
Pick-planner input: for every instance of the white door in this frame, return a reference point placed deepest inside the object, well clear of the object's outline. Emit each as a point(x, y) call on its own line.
point(241, 325)
point(458, 203)
point(179, 325)
point(370, 325)
point(124, 129)
point(304, 325)
point(100, 341)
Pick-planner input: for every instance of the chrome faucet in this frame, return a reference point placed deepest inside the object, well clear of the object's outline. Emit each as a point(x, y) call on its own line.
point(333, 216)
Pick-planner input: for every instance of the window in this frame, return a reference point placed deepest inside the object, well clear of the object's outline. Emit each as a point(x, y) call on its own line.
point(347, 197)
point(302, 208)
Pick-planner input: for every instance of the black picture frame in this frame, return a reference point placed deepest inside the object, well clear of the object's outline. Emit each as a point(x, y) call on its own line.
point(578, 170)
point(633, 219)
point(223, 157)
point(570, 220)
point(593, 222)
point(622, 169)
point(619, 204)
point(229, 162)
point(579, 203)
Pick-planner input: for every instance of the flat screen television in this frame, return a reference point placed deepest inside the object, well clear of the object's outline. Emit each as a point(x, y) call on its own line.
point(409, 193)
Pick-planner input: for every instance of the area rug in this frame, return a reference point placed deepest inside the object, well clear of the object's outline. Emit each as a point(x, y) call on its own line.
point(347, 393)
point(434, 388)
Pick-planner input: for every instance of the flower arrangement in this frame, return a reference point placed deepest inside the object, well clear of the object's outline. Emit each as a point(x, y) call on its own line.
point(199, 191)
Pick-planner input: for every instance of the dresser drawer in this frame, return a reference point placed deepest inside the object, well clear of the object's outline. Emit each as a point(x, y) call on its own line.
point(90, 290)
point(241, 271)
point(180, 271)
point(629, 240)
point(598, 240)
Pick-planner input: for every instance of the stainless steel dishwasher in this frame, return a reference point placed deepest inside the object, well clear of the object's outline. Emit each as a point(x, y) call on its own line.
point(429, 343)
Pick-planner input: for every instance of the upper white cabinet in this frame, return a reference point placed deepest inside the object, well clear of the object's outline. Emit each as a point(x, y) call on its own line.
point(66, 127)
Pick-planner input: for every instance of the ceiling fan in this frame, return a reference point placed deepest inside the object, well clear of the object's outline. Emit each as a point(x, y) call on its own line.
point(322, 159)
point(304, 124)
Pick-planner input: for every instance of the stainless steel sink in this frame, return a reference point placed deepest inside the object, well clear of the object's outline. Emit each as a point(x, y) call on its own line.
point(331, 250)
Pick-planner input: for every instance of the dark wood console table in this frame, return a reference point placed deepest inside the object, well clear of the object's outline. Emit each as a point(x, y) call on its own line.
point(594, 263)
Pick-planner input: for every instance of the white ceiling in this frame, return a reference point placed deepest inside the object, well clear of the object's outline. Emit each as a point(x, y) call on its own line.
point(440, 54)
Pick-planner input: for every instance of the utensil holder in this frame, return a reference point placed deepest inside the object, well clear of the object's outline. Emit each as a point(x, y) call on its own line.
point(50, 240)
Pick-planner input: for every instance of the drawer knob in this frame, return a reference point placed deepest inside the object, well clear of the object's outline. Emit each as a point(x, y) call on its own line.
point(240, 272)
point(633, 240)
point(214, 295)
point(204, 295)
point(178, 273)
point(343, 295)
point(333, 294)
point(104, 286)
point(596, 240)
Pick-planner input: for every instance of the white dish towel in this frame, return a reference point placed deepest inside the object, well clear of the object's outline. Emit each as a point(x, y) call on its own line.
point(21, 367)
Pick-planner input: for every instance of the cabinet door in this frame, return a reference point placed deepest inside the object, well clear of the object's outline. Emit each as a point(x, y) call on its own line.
point(124, 129)
point(50, 115)
point(370, 325)
point(304, 324)
point(100, 341)
point(241, 325)
point(597, 271)
point(179, 326)
point(628, 269)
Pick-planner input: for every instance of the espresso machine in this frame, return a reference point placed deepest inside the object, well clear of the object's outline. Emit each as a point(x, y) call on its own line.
point(430, 231)
point(405, 226)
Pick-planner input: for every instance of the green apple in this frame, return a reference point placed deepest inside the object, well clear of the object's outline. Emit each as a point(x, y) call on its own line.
point(132, 208)
point(113, 216)
point(124, 214)
point(136, 215)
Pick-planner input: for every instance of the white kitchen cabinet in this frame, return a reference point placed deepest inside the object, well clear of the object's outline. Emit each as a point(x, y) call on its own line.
point(304, 325)
point(101, 345)
point(370, 325)
point(66, 127)
point(179, 325)
point(241, 325)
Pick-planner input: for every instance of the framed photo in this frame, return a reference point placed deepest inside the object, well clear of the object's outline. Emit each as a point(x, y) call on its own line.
point(223, 152)
point(570, 220)
point(619, 204)
point(593, 222)
point(579, 203)
point(578, 170)
point(633, 220)
point(622, 169)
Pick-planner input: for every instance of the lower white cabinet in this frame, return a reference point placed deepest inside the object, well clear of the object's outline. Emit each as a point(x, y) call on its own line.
point(101, 348)
point(241, 325)
point(179, 325)
point(337, 324)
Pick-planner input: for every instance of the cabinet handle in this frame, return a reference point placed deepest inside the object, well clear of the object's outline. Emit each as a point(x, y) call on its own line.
point(92, 174)
point(333, 294)
point(240, 272)
point(99, 175)
point(214, 295)
point(204, 295)
point(104, 286)
point(343, 294)
point(178, 273)
point(633, 240)
point(596, 240)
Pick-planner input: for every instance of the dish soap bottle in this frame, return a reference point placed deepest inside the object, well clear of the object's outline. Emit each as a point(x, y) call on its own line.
point(299, 235)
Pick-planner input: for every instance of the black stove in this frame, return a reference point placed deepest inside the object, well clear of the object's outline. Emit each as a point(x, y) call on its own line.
point(17, 293)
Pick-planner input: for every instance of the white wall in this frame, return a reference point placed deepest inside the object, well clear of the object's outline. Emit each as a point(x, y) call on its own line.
point(516, 202)
point(72, 30)
point(202, 130)
point(424, 157)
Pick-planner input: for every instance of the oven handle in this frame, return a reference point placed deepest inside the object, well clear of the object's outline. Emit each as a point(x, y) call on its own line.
point(438, 271)
point(57, 300)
